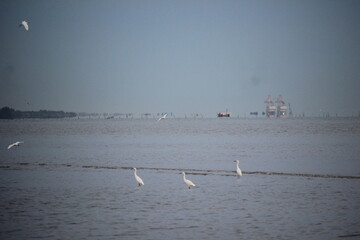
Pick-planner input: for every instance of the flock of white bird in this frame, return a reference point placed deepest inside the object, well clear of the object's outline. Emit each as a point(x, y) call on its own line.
point(188, 182)
point(141, 182)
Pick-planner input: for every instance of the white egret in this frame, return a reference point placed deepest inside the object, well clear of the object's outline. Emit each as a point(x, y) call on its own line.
point(137, 178)
point(17, 144)
point(188, 182)
point(238, 170)
point(163, 117)
point(25, 24)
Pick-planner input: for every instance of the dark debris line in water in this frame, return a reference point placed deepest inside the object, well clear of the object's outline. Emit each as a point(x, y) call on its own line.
point(195, 171)
point(350, 235)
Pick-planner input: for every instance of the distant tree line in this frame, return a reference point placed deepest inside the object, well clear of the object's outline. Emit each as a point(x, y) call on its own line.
point(9, 113)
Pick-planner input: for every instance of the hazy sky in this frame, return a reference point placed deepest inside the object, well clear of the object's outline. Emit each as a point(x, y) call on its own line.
point(180, 56)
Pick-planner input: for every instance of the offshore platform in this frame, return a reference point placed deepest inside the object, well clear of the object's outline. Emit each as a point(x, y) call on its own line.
point(279, 110)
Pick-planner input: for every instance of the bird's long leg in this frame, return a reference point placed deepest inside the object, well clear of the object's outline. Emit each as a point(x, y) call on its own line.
point(139, 185)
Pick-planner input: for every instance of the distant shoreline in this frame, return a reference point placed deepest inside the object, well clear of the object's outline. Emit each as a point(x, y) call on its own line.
point(9, 113)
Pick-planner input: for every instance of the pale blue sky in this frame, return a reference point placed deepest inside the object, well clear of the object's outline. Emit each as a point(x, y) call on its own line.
point(180, 56)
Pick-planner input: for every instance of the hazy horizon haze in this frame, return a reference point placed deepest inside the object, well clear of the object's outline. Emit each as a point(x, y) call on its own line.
point(180, 56)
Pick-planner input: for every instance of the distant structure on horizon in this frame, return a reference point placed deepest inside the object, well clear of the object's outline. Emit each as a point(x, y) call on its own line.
point(281, 107)
point(270, 109)
point(224, 114)
point(279, 110)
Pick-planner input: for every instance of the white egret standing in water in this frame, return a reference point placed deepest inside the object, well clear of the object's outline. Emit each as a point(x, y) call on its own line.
point(238, 170)
point(188, 182)
point(163, 117)
point(137, 178)
point(17, 144)
point(24, 24)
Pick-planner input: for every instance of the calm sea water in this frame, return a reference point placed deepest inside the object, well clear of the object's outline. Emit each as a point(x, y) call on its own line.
point(71, 179)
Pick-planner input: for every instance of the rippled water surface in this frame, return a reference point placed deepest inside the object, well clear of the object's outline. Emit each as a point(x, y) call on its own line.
point(71, 179)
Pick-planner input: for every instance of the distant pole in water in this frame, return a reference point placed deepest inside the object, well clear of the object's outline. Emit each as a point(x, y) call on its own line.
point(290, 111)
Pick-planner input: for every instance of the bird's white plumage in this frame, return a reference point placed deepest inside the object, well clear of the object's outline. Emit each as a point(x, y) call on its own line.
point(17, 144)
point(163, 117)
point(238, 170)
point(25, 24)
point(187, 181)
point(137, 178)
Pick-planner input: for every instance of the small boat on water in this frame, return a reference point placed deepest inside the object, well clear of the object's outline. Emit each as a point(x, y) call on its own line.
point(224, 114)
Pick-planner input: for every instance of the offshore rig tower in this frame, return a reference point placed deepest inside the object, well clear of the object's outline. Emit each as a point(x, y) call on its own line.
point(281, 107)
point(279, 110)
point(270, 110)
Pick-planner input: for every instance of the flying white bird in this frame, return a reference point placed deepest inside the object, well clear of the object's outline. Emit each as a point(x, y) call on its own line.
point(25, 24)
point(138, 179)
point(17, 144)
point(188, 182)
point(238, 170)
point(163, 117)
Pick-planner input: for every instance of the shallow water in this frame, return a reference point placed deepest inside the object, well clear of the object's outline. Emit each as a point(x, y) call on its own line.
point(71, 179)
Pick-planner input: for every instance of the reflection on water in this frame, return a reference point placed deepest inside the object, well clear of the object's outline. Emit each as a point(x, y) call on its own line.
point(72, 179)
